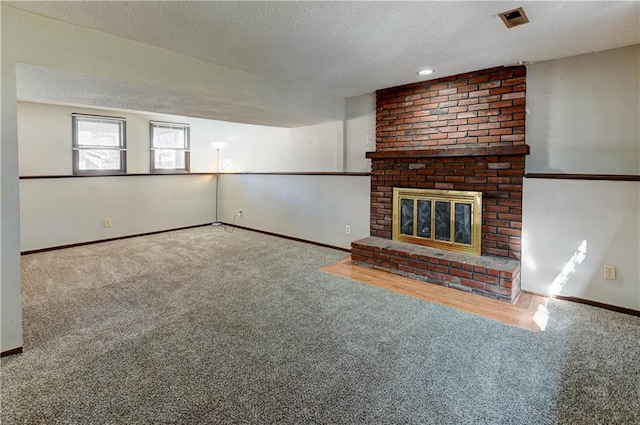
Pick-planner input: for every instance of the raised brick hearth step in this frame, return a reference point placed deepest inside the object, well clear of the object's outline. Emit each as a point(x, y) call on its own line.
point(494, 277)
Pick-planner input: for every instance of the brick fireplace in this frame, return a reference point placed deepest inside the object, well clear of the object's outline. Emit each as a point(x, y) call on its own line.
point(461, 133)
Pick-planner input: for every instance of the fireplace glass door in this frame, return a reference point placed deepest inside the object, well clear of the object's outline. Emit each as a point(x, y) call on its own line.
point(444, 219)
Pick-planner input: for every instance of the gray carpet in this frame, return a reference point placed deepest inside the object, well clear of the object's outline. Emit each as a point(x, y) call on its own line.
point(204, 326)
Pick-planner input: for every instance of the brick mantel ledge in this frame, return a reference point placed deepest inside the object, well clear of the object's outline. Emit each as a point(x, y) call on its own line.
point(431, 153)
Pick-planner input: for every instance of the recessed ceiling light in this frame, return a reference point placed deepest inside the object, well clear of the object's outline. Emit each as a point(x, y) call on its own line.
point(426, 72)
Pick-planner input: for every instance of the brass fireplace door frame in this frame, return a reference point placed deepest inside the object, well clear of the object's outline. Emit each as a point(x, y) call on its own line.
point(452, 196)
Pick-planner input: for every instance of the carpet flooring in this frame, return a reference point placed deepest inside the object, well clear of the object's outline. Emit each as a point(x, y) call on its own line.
point(205, 326)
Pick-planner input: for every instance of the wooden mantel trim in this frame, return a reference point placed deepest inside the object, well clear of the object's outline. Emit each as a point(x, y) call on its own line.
point(472, 151)
point(565, 176)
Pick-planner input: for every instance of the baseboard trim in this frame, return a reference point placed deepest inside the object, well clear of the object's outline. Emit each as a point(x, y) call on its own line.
point(11, 352)
point(617, 309)
point(54, 248)
point(610, 307)
point(291, 238)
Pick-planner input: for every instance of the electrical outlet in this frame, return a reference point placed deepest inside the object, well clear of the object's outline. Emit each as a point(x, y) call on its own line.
point(609, 272)
point(347, 229)
point(107, 222)
point(239, 213)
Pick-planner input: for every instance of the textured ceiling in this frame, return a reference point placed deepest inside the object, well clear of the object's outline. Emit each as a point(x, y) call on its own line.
point(353, 48)
point(38, 84)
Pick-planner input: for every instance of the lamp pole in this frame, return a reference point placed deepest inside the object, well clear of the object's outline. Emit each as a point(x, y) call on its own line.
point(217, 223)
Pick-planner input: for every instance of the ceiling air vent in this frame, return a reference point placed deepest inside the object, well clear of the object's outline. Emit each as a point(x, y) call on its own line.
point(513, 18)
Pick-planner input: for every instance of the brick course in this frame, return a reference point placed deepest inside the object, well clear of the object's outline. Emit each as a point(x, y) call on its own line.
point(483, 108)
point(499, 178)
point(493, 277)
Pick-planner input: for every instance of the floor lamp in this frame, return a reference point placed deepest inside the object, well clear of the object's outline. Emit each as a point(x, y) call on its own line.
point(218, 146)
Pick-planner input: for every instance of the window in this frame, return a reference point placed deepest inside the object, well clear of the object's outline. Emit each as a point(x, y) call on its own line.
point(99, 145)
point(169, 147)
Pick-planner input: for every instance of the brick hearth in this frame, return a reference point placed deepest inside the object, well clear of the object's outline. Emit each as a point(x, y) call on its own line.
point(465, 132)
point(484, 275)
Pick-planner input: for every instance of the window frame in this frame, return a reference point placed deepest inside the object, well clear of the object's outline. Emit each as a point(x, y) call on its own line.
point(76, 147)
point(187, 148)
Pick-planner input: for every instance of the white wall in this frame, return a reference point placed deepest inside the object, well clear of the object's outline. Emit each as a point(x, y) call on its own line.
point(45, 137)
point(272, 149)
point(314, 208)
point(559, 215)
point(584, 117)
point(332, 146)
point(45, 142)
point(584, 113)
point(64, 211)
point(76, 207)
point(10, 295)
point(360, 132)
